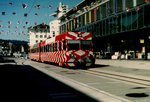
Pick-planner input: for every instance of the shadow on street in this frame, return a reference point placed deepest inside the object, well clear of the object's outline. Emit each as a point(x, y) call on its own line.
point(26, 84)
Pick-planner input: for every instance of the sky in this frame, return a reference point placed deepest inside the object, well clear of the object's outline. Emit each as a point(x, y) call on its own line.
point(14, 21)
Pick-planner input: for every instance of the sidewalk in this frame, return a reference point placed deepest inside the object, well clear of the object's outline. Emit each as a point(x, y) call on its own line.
point(135, 64)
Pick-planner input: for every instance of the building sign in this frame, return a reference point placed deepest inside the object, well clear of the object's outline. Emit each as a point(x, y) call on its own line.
point(142, 41)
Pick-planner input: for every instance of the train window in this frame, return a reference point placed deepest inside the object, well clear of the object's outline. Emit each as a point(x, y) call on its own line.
point(40, 49)
point(51, 47)
point(86, 44)
point(73, 44)
point(64, 45)
point(59, 45)
point(55, 48)
point(47, 48)
point(44, 49)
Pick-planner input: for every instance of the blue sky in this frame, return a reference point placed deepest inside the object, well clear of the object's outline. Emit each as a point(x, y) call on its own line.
point(9, 31)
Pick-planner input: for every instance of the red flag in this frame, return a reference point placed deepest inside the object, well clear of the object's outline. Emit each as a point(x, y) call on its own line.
point(16, 27)
point(9, 22)
point(8, 26)
point(10, 3)
point(24, 6)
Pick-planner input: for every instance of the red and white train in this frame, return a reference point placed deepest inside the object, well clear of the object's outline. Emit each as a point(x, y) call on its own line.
point(67, 49)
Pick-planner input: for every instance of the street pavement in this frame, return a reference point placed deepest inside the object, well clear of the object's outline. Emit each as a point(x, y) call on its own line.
point(18, 81)
point(134, 64)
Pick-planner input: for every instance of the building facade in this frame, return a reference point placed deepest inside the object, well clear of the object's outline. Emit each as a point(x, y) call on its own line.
point(54, 28)
point(38, 34)
point(54, 24)
point(116, 25)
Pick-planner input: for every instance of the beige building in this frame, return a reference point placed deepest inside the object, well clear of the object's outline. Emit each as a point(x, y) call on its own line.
point(38, 34)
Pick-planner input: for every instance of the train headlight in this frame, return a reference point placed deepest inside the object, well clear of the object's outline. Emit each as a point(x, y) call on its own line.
point(72, 56)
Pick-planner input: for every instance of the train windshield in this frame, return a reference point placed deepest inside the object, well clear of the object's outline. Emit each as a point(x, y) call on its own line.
point(86, 45)
point(73, 44)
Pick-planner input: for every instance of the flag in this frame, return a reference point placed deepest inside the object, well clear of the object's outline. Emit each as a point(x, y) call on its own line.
point(50, 6)
point(38, 6)
point(43, 24)
point(3, 13)
point(14, 13)
point(26, 22)
point(35, 23)
point(147, 0)
point(9, 22)
point(35, 14)
point(24, 6)
point(18, 22)
point(10, 3)
point(16, 27)
point(30, 27)
point(25, 14)
point(74, 8)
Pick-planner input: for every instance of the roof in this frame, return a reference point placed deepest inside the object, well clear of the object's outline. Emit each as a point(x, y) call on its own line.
point(78, 6)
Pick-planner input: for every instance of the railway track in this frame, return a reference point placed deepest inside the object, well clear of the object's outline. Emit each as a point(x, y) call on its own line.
point(143, 80)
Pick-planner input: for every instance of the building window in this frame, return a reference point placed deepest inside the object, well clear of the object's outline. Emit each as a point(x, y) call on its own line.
point(36, 41)
point(53, 33)
point(36, 36)
point(45, 36)
point(41, 36)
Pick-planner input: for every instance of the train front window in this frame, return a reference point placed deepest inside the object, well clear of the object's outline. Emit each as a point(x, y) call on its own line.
point(86, 45)
point(73, 44)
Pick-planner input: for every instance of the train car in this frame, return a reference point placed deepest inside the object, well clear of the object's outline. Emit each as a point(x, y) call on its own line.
point(68, 49)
